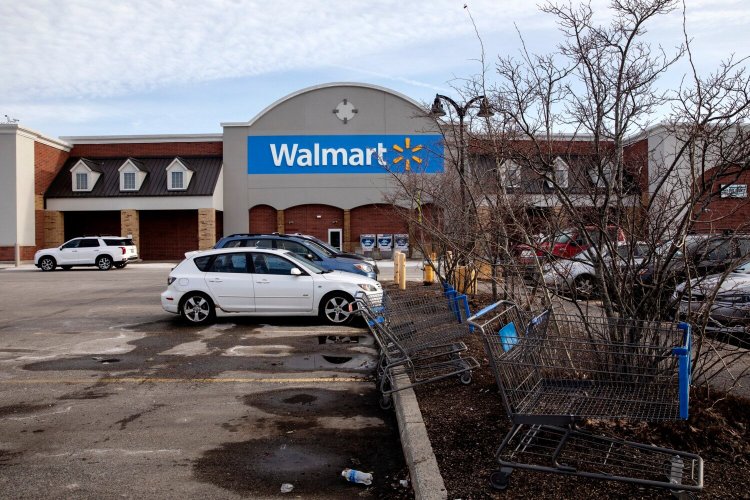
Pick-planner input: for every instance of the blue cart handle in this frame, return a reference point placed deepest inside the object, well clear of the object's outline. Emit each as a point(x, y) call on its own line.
point(489, 308)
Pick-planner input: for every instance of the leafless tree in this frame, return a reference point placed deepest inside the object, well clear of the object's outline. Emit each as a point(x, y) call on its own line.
point(632, 191)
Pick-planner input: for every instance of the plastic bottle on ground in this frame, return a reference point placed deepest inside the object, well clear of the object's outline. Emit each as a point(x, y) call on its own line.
point(355, 476)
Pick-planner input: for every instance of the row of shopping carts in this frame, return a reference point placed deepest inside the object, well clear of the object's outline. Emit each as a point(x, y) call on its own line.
point(419, 334)
point(554, 372)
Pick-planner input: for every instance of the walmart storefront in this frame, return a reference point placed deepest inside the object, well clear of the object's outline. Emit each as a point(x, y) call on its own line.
point(318, 162)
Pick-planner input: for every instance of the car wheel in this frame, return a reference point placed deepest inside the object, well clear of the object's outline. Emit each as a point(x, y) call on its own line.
point(66, 268)
point(121, 265)
point(47, 264)
point(104, 262)
point(197, 309)
point(335, 309)
point(584, 287)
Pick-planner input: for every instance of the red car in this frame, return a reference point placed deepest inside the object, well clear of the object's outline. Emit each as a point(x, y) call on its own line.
point(568, 243)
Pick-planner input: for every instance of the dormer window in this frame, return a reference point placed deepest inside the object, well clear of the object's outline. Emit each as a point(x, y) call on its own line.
point(82, 181)
point(561, 172)
point(178, 176)
point(177, 180)
point(510, 173)
point(84, 176)
point(131, 175)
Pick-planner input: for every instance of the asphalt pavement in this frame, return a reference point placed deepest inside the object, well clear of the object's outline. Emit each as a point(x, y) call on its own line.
point(106, 395)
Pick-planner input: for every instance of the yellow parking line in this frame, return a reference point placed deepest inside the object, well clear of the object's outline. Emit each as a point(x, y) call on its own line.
point(140, 380)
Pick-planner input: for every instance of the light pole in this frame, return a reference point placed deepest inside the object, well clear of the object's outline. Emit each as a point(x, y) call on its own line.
point(485, 111)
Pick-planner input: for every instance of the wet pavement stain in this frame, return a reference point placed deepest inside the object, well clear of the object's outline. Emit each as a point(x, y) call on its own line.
point(324, 402)
point(22, 409)
point(7, 457)
point(147, 357)
point(125, 421)
point(312, 461)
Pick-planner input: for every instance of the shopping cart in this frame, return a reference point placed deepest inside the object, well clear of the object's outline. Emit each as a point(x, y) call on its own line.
point(554, 371)
point(418, 332)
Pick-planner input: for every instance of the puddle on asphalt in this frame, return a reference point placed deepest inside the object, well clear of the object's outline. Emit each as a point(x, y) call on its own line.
point(315, 402)
point(338, 339)
point(311, 459)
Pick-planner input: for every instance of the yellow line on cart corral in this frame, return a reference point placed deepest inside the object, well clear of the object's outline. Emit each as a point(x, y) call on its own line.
point(141, 380)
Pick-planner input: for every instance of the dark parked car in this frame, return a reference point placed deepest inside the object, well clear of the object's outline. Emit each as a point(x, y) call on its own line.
point(338, 252)
point(726, 295)
point(701, 255)
point(303, 247)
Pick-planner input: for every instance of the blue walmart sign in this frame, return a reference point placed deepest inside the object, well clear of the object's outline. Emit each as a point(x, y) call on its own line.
point(344, 154)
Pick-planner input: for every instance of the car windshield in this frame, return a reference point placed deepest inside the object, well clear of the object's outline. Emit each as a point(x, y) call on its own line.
point(320, 248)
point(304, 264)
point(563, 237)
point(744, 268)
point(323, 244)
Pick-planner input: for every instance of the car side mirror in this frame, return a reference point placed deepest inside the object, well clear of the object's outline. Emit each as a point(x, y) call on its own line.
point(295, 272)
point(310, 256)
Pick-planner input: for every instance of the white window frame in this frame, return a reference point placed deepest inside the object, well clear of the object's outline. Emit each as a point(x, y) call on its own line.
point(128, 167)
point(91, 177)
point(510, 174)
point(187, 175)
point(561, 173)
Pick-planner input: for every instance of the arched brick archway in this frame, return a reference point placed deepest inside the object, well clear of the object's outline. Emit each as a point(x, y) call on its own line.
point(377, 218)
point(313, 219)
point(262, 219)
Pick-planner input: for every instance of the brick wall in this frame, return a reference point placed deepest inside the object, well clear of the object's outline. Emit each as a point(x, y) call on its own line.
point(262, 219)
point(9, 253)
point(148, 149)
point(47, 163)
point(130, 225)
point(714, 213)
point(635, 159)
point(206, 228)
point(168, 234)
point(53, 225)
point(376, 219)
point(92, 223)
point(304, 219)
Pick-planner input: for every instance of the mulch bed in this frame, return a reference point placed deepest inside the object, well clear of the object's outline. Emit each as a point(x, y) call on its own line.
point(467, 423)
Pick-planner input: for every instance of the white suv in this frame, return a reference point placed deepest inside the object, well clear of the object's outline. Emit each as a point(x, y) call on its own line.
point(100, 251)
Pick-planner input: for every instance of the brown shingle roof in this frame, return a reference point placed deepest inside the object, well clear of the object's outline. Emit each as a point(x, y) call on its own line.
point(206, 172)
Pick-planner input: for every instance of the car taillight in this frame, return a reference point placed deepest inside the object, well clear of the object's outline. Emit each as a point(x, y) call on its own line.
point(123, 250)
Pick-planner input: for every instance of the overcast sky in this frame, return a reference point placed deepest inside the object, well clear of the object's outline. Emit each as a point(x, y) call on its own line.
point(106, 67)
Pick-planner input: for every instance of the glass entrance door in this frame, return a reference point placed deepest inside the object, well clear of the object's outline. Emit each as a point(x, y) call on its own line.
point(334, 238)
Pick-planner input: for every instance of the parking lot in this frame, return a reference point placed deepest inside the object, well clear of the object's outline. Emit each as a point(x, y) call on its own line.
point(106, 395)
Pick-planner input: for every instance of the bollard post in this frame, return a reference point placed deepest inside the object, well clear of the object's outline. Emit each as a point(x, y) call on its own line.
point(395, 266)
point(402, 271)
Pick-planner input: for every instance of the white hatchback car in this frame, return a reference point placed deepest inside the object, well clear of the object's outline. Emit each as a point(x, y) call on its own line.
point(261, 282)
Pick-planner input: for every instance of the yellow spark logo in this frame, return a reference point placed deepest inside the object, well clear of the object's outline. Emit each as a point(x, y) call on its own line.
point(405, 153)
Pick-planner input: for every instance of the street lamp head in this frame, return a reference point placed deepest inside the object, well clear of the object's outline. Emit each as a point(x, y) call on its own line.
point(485, 110)
point(437, 109)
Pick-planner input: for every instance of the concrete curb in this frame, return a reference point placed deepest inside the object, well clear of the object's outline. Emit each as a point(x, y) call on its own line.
point(423, 468)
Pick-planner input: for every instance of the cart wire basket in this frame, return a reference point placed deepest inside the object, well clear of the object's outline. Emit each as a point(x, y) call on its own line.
point(556, 370)
point(418, 332)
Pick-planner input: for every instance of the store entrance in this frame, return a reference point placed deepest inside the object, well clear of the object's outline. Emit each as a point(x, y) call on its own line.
point(334, 238)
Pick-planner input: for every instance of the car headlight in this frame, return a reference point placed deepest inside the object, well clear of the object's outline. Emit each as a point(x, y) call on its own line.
point(365, 268)
point(367, 287)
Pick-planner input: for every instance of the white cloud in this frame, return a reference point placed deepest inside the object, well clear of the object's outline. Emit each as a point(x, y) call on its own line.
point(94, 48)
